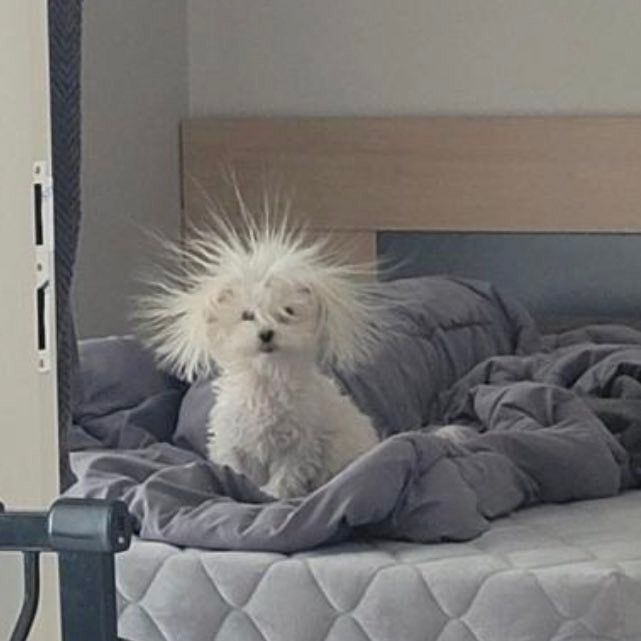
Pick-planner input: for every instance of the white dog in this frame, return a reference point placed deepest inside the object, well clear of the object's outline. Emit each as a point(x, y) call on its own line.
point(269, 311)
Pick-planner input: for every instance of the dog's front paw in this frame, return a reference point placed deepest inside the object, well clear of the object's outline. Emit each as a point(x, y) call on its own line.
point(284, 487)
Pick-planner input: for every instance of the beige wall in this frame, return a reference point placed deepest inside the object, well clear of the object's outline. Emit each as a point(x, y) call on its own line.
point(134, 93)
point(300, 57)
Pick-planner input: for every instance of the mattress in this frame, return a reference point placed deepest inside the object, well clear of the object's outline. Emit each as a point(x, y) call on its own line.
point(556, 572)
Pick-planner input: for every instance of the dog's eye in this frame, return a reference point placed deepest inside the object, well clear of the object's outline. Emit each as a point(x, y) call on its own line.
point(247, 316)
point(289, 311)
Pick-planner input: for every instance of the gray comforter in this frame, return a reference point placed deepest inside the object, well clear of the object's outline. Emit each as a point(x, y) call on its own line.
point(458, 352)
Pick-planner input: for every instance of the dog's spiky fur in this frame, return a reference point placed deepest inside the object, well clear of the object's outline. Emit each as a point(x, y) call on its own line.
point(270, 310)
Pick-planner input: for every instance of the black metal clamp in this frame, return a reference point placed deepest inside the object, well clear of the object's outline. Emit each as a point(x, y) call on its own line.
point(85, 534)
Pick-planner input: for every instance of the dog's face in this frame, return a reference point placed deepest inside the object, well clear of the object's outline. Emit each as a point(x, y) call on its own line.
point(272, 297)
point(269, 321)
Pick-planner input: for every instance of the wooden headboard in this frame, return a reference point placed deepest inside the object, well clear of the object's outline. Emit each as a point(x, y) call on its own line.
point(359, 176)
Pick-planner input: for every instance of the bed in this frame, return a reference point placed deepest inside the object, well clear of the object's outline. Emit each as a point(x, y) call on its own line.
point(550, 572)
point(512, 201)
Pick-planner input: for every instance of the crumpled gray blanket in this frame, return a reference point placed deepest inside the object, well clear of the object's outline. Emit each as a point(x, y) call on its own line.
point(458, 352)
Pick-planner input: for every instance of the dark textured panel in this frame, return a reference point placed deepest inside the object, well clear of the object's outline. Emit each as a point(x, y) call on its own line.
point(557, 276)
point(65, 26)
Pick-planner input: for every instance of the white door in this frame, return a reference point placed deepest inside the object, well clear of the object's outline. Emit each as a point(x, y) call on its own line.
point(28, 430)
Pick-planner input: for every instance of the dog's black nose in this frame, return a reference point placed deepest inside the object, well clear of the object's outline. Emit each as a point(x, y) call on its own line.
point(266, 335)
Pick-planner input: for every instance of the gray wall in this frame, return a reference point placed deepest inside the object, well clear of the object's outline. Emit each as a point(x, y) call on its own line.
point(299, 57)
point(147, 63)
point(134, 93)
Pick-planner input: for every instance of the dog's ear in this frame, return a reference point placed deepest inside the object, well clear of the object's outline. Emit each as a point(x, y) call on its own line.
point(224, 295)
point(220, 296)
point(347, 334)
point(179, 325)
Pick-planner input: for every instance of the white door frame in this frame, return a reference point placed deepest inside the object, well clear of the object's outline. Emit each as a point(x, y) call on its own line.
point(28, 401)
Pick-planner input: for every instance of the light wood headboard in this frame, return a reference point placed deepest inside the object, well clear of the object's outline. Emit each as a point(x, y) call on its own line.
point(357, 176)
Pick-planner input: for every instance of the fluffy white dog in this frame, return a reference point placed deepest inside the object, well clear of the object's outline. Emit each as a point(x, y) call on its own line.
point(269, 311)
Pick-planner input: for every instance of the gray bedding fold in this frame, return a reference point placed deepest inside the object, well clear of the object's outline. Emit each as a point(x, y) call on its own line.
point(459, 352)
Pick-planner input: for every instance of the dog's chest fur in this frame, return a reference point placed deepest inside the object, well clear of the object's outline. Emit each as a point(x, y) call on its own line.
point(261, 420)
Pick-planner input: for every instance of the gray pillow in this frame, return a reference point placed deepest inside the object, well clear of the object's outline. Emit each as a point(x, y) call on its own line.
point(121, 399)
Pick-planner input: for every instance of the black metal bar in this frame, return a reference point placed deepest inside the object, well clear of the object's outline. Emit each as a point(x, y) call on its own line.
point(87, 596)
point(91, 525)
point(22, 531)
point(31, 565)
point(85, 533)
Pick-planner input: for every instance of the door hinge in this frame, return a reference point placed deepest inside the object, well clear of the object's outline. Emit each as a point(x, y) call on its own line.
point(44, 245)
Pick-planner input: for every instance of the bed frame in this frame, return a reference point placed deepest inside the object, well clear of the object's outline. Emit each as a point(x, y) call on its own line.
point(518, 201)
point(85, 534)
